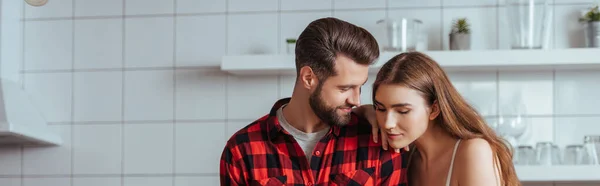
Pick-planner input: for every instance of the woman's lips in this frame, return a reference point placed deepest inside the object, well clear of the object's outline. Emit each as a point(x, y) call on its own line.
point(394, 136)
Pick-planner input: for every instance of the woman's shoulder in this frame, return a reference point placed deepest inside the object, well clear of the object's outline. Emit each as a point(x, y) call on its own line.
point(475, 161)
point(474, 150)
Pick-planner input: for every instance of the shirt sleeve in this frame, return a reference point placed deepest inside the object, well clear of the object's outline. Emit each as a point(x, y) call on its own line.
point(230, 172)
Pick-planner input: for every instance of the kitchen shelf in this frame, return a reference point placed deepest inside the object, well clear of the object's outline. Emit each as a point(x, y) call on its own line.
point(559, 173)
point(575, 58)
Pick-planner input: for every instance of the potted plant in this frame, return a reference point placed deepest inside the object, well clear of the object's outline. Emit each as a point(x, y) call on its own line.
point(460, 36)
point(291, 45)
point(591, 21)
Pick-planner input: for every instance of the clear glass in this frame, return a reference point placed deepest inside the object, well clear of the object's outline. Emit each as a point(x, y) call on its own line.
point(400, 34)
point(547, 154)
point(592, 145)
point(530, 22)
point(575, 155)
point(525, 156)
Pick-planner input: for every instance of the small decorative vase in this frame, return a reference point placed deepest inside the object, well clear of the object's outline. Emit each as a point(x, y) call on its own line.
point(459, 41)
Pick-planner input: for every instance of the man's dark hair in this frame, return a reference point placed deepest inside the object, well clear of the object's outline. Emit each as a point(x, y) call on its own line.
point(323, 39)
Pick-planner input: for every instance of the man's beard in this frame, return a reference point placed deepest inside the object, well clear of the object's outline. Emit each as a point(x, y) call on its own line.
point(325, 113)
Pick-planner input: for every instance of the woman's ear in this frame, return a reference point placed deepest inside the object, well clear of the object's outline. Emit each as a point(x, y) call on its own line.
point(435, 110)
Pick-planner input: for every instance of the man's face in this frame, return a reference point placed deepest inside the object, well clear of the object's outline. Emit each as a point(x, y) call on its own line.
point(333, 99)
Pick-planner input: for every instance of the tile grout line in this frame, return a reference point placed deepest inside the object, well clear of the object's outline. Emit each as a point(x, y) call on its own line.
point(442, 22)
point(497, 24)
point(279, 27)
point(226, 123)
point(23, 46)
point(554, 119)
point(123, 50)
point(72, 93)
point(174, 105)
point(22, 84)
point(498, 98)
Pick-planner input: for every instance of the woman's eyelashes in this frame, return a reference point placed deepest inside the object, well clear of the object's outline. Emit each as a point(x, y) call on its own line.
point(405, 111)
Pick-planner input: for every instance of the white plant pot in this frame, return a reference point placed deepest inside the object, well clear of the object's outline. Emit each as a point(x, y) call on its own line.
point(460, 41)
point(592, 34)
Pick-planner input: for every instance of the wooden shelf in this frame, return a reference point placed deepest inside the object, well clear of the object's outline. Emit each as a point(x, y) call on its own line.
point(580, 58)
point(559, 173)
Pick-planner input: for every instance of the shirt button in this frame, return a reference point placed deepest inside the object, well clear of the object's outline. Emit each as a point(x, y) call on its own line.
point(309, 183)
point(318, 153)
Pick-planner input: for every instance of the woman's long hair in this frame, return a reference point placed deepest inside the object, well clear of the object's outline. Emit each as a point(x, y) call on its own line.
point(419, 72)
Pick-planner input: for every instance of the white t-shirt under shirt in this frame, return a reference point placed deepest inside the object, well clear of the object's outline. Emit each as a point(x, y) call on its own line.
point(307, 141)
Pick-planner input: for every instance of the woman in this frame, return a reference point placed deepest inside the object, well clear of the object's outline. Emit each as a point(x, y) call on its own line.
point(450, 144)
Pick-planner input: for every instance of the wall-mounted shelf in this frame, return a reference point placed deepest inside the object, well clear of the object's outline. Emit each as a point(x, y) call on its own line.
point(576, 58)
point(559, 173)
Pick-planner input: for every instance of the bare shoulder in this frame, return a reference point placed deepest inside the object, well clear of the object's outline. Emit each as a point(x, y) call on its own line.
point(473, 148)
point(475, 163)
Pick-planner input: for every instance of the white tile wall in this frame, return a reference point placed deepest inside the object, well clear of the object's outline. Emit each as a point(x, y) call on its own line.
point(293, 23)
point(98, 8)
point(306, 5)
point(10, 161)
point(190, 146)
point(148, 95)
point(201, 6)
point(200, 95)
point(366, 19)
point(193, 181)
point(141, 7)
point(57, 86)
point(149, 181)
point(63, 8)
point(252, 6)
point(98, 96)
point(358, 4)
point(526, 93)
point(252, 33)
point(46, 181)
point(50, 160)
point(97, 181)
point(10, 181)
point(93, 156)
point(98, 43)
point(148, 148)
point(48, 45)
point(149, 42)
point(158, 126)
point(414, 3)
point(200, 40)
point(478, 88)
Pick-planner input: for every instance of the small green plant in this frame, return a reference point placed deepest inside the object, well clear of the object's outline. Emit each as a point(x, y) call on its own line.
point(461, 26)
point(290, 40)
point(592, 15)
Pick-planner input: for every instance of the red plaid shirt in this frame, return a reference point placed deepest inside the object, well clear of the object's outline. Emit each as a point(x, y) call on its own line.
point(263, 153)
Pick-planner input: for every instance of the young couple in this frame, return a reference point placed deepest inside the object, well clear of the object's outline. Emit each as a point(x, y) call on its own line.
point(322, 135)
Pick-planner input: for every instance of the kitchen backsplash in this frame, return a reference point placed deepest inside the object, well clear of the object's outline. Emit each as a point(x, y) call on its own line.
point(135, 90)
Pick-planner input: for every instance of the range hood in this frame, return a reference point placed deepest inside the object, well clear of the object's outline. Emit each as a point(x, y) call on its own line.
point(21, 123)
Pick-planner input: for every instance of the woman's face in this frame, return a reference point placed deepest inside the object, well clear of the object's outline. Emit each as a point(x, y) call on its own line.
point(402, 113)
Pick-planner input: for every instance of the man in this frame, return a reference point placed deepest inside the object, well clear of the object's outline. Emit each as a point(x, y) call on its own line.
point(313, 138)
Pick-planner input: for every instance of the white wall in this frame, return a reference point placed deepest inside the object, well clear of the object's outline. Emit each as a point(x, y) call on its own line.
point(134, 89)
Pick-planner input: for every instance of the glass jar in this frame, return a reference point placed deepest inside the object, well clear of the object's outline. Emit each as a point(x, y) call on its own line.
point(530, 22)
point(592, 145)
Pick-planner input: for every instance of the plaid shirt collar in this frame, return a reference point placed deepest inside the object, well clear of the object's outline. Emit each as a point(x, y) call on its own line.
point(274, 128)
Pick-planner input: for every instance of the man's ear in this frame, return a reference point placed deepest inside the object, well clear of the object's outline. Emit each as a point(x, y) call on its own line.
point(308, 79)
point(435, 110)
